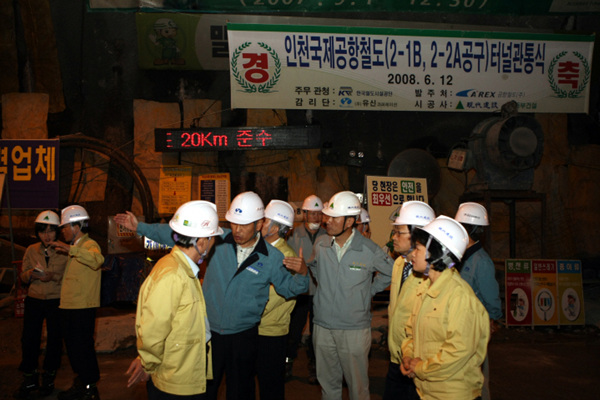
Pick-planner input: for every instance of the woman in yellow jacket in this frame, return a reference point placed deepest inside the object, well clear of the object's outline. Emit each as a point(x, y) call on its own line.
point(448, 330)
point(172, 328)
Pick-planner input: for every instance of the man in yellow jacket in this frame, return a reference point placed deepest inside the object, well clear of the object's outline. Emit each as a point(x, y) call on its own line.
point(172, 328)
point(275, 322)
point(79, 298)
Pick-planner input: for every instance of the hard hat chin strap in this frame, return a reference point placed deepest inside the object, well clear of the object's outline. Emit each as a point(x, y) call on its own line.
point(445, 258)
point(427, 255)
point(344, 229)
point(202, 254)
point(73, 232)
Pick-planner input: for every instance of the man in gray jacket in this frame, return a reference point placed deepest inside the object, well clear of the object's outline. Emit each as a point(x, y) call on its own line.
point(344, 262)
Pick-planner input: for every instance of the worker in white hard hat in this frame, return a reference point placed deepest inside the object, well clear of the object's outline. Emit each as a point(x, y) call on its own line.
point(236, 289)
point(411, 215)
point(477, 269)
point(171, 309)
point(79, 298)
point(363, 223)
point(275, 322)
point(303, 237)
point(350, 269)
point(448, 330)
point(42, 272)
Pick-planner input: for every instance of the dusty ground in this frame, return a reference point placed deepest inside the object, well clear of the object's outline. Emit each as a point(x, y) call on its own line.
point(525, 364)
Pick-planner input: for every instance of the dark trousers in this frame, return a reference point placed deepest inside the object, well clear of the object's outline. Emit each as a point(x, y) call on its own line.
point(36, 311)
point(270, 367)
point(398, 386)
point(235, 357)
point(302, 309)
point(156, 394)
point(78, 331)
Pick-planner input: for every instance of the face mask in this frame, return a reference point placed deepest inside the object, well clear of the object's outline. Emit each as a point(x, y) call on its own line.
point(201, 260)
point(313, 226)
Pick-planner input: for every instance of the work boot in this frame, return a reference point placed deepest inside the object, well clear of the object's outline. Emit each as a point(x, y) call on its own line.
point(30, 384)
point(47, 386)
point(79, 391)
point(312, 373)
point(289, 363)
point(90, 393)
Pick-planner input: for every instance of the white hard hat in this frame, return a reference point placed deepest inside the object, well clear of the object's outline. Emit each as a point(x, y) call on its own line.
point(48, 217)
point(73, 214)
point(245, 208)
point(280, 211)
point(364, 216)
point(343, 204)
point(164, 23)
point(416, 213)
point(473, 214)
point(312, 203)
point(395, 214)
point(449, 233)
point(196, 219)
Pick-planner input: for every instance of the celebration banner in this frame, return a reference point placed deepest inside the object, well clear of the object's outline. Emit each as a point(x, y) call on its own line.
point(364, 69)
point(512, 7)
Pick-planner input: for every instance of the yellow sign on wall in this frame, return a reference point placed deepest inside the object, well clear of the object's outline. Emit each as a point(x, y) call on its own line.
point(385, 195)
point(175, 188)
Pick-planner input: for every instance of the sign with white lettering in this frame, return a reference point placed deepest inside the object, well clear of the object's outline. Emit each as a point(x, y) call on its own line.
point(544, 292)
point(216, 188)
point(363, 69)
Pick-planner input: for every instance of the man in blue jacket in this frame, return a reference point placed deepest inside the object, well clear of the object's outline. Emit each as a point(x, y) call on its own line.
point(236, 290)
point(479, 272)
point(344, 263)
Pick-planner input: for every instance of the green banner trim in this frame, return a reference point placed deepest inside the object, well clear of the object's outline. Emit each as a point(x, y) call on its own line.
point(411, 32)
point(477, 7)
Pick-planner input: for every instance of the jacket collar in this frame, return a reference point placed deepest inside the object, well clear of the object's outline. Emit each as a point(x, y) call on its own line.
point(471, 250)
point(356, 241)
point(261, 248)
point(177, 253)
point(436, 288)
point(303, 232)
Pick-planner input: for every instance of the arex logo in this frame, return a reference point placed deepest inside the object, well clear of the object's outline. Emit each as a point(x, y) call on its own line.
point(256, 67)
point(568, 74)
point(476, 93)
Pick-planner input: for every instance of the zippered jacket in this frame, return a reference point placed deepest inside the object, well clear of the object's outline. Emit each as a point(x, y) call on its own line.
point(236, 297)
point(56, 264)
point(81, 280)
point(171, 329)
point(345, 288)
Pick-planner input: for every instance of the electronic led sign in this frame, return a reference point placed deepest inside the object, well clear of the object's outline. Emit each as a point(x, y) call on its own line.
point(237, 138)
